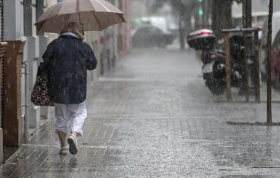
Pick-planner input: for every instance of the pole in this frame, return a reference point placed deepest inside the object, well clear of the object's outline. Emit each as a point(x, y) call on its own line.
point(257, 66)
point(269, 38)
point(204, 16)
point(181, 29)
point(246, 66)
point(27, 97)
point(228, 70)
point(247, 23)
point(249, 13)
point(244, 6)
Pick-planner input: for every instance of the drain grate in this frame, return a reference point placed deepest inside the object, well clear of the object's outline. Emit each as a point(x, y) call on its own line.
point(272, 164)
point(253, 123)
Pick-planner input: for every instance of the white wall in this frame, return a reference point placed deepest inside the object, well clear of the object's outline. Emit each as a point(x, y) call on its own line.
point(13, 19)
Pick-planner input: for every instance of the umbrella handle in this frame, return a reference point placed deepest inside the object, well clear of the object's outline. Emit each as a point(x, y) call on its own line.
point(81, 24)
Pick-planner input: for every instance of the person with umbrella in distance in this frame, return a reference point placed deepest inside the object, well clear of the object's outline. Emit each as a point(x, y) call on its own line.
point(68, 58)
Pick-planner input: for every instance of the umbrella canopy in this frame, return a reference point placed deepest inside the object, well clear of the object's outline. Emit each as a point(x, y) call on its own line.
point(93, 15)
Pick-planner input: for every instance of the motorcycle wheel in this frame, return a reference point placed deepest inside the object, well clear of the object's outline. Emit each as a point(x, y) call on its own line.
point(216, 87)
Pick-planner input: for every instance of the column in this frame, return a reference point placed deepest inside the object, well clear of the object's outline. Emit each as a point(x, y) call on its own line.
point(12, 116)
point(116, 34)
point(31, 60)
point(13, 124)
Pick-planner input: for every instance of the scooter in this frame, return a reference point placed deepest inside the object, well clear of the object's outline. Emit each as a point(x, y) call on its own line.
point(214, 67)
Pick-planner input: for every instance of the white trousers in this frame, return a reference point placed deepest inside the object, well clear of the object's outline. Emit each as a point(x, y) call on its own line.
point(75, 113)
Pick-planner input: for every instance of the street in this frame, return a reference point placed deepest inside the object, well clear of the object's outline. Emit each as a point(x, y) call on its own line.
point(153, 116)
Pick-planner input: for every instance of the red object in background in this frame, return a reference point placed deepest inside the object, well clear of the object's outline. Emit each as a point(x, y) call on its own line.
point(275, 64)
point(102, 39)
point(201, 39)
point(200, 33)
point(258, 25)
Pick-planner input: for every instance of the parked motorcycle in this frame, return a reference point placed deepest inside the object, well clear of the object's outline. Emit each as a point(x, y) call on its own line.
point(214, 67)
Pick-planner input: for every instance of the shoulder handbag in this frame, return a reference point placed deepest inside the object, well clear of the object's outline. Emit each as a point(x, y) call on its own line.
point(40, 93)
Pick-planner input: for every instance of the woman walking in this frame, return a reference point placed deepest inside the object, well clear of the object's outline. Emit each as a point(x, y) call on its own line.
point(68, 58)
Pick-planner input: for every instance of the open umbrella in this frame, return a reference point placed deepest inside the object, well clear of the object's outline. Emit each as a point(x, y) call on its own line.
point(93, 15)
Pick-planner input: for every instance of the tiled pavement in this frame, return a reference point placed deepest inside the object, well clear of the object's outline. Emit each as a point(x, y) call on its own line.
point(152, 116)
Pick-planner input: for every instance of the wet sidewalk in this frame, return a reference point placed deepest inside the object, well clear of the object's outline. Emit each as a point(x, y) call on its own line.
point(153, 116)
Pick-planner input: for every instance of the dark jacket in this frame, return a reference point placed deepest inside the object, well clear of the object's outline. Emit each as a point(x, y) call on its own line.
point(68, 58)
